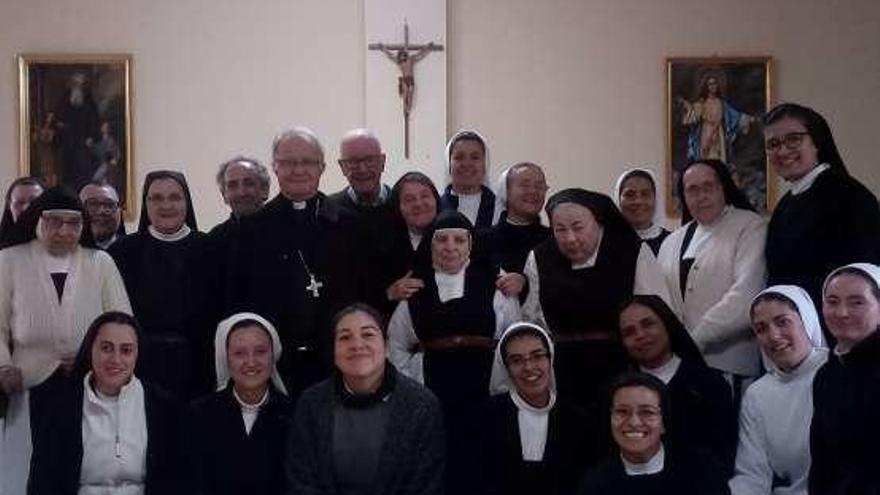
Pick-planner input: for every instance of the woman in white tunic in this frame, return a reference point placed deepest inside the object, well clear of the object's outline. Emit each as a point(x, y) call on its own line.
point(53, 283)
point(773, 456)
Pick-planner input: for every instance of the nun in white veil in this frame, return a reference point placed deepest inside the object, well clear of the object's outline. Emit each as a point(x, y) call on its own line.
point(467, 190)
point(773, 455)
point(636, 194)
point(530, 440)
point(238, 435)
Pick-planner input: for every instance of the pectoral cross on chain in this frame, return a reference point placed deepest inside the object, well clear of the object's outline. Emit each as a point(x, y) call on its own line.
point(314, 285)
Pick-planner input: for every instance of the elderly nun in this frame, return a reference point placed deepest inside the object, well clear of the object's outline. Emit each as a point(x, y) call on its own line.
point(773, 456)
point(531, 440)
point(238, 434)
point(577, 281)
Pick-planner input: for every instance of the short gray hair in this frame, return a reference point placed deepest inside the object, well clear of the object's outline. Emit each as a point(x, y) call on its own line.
point(259, 168)
point(298, 132)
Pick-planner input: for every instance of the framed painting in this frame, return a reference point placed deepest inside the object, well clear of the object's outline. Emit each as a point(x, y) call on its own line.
point(75, 120)
point(714, 110)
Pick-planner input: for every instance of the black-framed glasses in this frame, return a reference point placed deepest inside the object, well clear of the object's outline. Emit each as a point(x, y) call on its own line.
point(364, 161)
point(518, 360)
point(791, 141)
point(100, 204)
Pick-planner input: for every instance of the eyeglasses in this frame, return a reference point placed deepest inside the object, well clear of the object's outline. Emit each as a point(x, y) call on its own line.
point(645, 414)
point(100, 204)
point(791, 141)
point(518, 360)
point(363, 161)
point(296, 162)
point(55, 222)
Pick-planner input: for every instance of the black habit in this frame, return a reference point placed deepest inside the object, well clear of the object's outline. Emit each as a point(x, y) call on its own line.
point(297, 268)
point(570, 449)
point(684, 472)
point(224, 458)
point(833, 223)
point(844, 434)
point(507, 245)
point(58, 450)
point(486, 213)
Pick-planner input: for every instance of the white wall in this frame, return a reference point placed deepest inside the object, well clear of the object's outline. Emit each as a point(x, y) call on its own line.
point(577, 85)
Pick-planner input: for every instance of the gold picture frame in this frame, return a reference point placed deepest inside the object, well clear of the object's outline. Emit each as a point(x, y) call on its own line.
point(739, 91)
point(75, 120)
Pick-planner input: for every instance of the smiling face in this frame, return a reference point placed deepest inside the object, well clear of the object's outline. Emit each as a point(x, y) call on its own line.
point(450, 250)
point(851, 309)
point(637, 422)
point(102, 205)
point(114, 354)
point(166, 205)
point(242, 189)
point(362, 163)
point(576, 231)
point(250, 359)
point(780, 333)
point(703, 193)
point(418, 206)
point(467, 166)
point(644, 336)
point(528, 363)
point(637, 201)
point(359, 351)
point(298, 164)
point(790, 149)
point(526, 191)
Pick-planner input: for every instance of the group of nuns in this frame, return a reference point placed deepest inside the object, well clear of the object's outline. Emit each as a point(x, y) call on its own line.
point(603, 354)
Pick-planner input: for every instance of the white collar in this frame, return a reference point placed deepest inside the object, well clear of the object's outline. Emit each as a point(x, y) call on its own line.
point(524, 406)
point(415, 238)
point(108, 242)
point(591, 261)
point(666, 371)
point(651, 232)
point(653, 466)
point(450, 285)
point(180, 234)
point(97, 398)
point(800, 185)
point(380, 198)
point(56, 264)
point(245, 407)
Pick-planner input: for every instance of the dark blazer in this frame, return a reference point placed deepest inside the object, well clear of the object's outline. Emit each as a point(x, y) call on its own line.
point(413, 453)
point(223, 458)
point(58, 451)
point(572, 446)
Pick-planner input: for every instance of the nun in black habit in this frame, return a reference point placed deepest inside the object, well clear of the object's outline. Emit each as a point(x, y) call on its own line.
point(161, 266)
point(657, 343)
point(531, 440)
point(647, 462)
point(578, 280)
point(237, 436)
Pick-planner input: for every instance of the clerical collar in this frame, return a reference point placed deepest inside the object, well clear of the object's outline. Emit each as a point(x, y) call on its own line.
point(800, 185)
point(180, 234)
point(251, 407)
point(380, 198)
point(591, 261)
point(299, 205)
point(653, 466)
point(450, 285)
point(666, 371)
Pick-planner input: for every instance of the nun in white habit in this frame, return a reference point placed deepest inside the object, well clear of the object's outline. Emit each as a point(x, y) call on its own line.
point(530, 441)
point(238, 435)
point(635, 193)
point(467, 160)
point(773, 456)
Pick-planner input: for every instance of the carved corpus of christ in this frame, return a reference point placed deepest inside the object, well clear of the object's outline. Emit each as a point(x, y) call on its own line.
point(405, 57)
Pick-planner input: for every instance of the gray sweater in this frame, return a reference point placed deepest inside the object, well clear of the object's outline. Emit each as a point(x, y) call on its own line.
point(413, 453)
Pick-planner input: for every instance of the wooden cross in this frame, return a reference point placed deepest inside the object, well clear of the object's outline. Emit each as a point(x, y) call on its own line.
point(401, 55)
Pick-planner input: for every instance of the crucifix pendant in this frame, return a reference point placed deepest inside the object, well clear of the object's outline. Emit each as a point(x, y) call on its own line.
point(314, 286)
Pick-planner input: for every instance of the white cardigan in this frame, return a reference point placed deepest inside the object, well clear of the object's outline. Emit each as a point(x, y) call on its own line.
point(727, 273)
point(39, 328)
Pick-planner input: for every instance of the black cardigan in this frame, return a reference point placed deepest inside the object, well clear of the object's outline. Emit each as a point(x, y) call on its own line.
point(58, 451)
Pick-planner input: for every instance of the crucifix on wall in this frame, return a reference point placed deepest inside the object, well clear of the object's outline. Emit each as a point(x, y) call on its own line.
point(405, 57)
